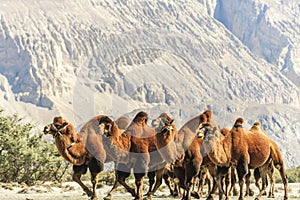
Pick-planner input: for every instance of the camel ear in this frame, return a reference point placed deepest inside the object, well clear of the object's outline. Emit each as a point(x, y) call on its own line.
point(58, 120)
point(171, 121)
point(65, 124)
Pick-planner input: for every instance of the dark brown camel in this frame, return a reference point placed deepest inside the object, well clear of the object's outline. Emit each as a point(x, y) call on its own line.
point(181, 148)
point(122, 170)
point(87, 149)
point(115, 129)
point(143, 152)
point(244, 150)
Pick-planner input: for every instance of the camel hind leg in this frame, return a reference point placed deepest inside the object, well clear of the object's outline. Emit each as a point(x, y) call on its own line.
point(242, 170)
point(272, 180)
point(284, 178)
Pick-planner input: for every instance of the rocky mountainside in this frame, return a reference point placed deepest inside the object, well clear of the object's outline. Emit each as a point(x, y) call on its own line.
point(82, 58)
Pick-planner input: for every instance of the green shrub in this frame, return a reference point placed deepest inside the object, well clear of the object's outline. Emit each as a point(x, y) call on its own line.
point(24, 156)
point(293, 175)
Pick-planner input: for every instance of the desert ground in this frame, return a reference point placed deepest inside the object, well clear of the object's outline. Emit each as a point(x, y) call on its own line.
point(70, 190)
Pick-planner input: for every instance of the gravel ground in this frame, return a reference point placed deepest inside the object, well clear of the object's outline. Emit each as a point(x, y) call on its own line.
point(71, 190)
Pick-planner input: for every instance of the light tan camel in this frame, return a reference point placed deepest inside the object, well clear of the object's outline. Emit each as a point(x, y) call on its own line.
point(143, 152)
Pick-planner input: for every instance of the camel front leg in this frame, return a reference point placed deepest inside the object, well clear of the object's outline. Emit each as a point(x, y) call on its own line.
point(95, 168)
point(221, 172)
point(139, 177)
point(249, 192)
point(109, 195)
point(242, 170)
point(78, 171)
point(151, 176)
point(167, 178)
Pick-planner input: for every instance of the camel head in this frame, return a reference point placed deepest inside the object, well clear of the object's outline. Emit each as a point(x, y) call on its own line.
point(67, 141)
point(163, 124)
point(58, 127)
point(207, 129)
point(105, 125)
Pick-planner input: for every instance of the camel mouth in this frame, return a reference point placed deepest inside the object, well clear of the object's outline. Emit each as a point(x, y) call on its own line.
point(105, 129)
point(47, 129)
point(205, 131)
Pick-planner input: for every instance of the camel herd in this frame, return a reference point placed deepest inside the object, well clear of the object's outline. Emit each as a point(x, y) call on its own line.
point(199, 150)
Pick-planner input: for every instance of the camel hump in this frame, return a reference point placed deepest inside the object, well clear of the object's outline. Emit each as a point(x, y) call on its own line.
point(123, 122)
point(141, 118)
point(256, 124)
point(105, 119)
point(238, 123)
point(257, 127)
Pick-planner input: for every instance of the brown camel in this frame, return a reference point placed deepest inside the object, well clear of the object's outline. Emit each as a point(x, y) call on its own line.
point(244, 150)
point(87, 149)
point(114, 130)
point(181, 148)
point(143, 152)
point(122, 170)
point(268, 169)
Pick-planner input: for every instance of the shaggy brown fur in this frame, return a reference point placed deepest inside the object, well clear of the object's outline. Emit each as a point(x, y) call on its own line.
point(86, 150)
point(242, 149)
point(121, 142)
point(72, 147)
point(183, 147)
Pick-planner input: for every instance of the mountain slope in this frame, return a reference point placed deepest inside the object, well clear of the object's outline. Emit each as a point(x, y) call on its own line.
point(82, 58)
point(269, 28)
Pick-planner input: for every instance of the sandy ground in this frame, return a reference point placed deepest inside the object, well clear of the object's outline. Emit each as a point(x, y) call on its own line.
point(71, 190)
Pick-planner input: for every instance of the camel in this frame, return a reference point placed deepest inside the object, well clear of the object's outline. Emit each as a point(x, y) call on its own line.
point(143, 153)
point(241, 149)
point(115, 129)
point(268, 169)
point(122, 170)
point(87, 149)
point(182, 148)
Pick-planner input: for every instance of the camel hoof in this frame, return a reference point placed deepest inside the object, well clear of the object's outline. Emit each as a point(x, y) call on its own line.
point(271, 196)
point(108, 197)
point(235, 193)
point(195, 195)
point(210, 197)
point(94, 198)
point(251, 193)
point(132, 192)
